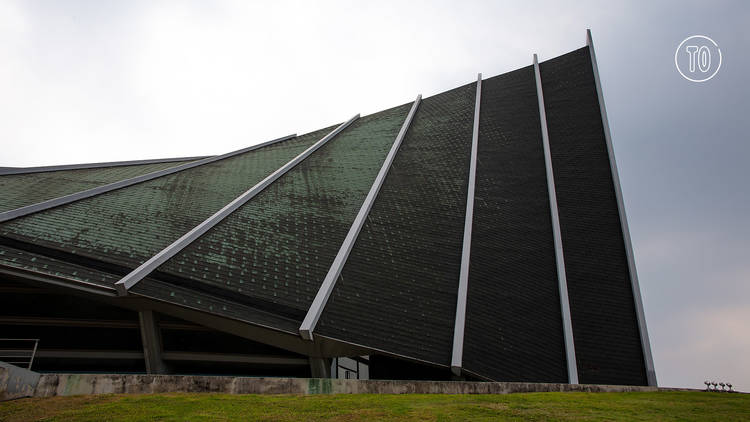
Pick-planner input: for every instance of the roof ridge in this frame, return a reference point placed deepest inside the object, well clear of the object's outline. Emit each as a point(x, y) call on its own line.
point(6, 171)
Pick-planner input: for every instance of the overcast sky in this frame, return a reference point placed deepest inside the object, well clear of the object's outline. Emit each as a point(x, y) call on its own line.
point(89, 81)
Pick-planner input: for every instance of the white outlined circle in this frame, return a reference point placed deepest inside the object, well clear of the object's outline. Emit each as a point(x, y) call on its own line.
point(677, 65)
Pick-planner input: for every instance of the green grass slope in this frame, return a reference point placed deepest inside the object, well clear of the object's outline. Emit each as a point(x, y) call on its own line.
point(661, 406)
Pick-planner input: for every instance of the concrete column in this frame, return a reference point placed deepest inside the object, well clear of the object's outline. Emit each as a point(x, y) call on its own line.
point(151, 339)
point(320, 367)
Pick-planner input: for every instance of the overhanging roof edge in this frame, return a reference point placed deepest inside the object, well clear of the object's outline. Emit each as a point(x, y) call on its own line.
point(292, 342)
point(57, 280)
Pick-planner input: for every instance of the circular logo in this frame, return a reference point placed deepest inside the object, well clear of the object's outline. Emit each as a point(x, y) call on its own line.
point(698, 58)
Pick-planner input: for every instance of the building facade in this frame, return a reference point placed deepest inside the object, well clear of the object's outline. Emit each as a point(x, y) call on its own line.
point(478, 234)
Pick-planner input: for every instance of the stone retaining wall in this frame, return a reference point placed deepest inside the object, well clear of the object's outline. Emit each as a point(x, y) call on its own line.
point(16, 382)
point(74, 384)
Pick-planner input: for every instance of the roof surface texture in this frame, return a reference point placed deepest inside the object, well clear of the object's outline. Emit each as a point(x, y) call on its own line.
point(397, 292)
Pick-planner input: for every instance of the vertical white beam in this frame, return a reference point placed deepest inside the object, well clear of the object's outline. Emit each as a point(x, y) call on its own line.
point(645, 343)
point(570, 352)
point(463, 278)
point(326, 287)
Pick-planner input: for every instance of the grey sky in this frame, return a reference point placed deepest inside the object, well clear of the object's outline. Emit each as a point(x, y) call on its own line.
point(105, 81)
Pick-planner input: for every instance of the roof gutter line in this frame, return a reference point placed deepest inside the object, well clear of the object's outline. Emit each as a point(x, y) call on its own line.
point(463, 278)
point(63, 200)
point(326, 288)
point(165, 254)
point(60, 281)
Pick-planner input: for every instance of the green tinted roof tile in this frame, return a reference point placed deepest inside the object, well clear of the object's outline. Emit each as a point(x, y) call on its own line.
point(129, 225)
point(400, 280)
point(279, 246)
point(215, 305)
point(35, 263)
point(19, 190)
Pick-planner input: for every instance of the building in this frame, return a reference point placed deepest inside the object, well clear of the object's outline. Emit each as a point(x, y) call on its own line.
point(477, 234)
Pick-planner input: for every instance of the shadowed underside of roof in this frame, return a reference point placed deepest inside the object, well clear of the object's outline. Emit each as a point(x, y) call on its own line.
point(397, 292)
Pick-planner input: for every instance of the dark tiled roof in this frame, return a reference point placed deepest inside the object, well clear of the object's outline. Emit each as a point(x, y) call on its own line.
point(196, 299)
point(513, 307)
point(19, 190)
point(275, 250)
point(608, 347)
point(127, 226)
point(399, 283)
point(45, 265)
point(397, 292)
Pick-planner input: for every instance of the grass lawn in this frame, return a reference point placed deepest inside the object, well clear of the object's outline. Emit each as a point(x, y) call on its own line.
point(683, 406)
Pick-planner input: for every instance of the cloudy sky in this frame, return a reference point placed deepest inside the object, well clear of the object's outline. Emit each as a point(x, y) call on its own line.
point(88, 81)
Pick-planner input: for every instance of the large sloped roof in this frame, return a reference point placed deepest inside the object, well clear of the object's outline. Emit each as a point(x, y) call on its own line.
point(400, 281)
point(397, 290)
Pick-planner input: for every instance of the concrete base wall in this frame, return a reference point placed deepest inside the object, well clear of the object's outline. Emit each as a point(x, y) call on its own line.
point(72, 384)
point(16, 382)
